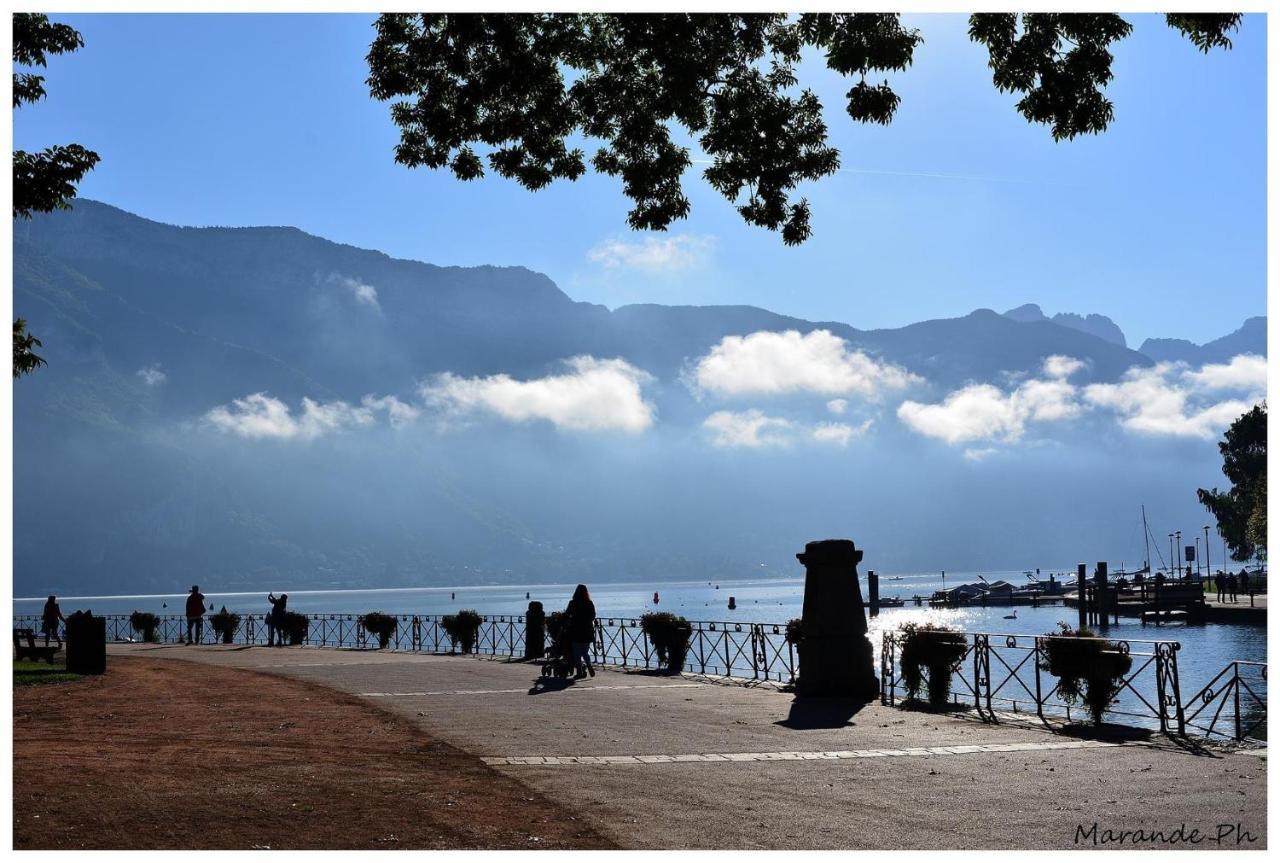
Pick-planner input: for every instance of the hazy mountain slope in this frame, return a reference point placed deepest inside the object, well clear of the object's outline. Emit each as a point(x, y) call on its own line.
point(120, 486)
point(1251, 338)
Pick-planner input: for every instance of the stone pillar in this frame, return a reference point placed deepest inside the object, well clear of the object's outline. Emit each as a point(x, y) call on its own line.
point(535, 632)
point(835, 655)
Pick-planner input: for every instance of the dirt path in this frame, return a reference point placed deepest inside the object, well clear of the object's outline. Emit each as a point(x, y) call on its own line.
point(178, 755)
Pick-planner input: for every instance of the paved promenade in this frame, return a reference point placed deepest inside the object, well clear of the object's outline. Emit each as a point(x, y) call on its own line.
point(664, 762)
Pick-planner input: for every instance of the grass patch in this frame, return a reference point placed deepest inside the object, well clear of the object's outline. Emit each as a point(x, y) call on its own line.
point(30, 673)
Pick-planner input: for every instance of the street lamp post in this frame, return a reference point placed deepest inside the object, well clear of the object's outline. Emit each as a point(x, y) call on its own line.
point(1197, 557)
point(1208, 570)
point(1177, 546)
point(1172, 559)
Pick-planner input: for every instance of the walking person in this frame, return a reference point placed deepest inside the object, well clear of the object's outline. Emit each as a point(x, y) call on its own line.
point(1244, 582)
point(50, 618)
point(1217, 582)
point(195, 614)
point(1231, 587)
point(580, 619)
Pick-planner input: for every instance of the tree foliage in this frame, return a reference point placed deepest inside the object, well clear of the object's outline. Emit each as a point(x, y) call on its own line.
point(43, 181)
point(1244, 462)
point(25, 360)
point(523, 90)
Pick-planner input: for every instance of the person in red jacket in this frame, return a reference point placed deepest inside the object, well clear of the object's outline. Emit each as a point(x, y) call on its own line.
point(195, 614)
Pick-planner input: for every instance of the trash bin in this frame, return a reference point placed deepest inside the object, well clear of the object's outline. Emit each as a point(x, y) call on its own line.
point(86, 643)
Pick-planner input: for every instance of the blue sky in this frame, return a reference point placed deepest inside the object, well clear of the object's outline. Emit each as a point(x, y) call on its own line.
point(959, 204)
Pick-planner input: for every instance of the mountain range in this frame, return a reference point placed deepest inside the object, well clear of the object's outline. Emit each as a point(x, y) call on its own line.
point(147, 327)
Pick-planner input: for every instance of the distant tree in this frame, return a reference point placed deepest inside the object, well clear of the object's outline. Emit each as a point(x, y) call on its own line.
point(1257, 528)
point(520, 86)
point(43, 181)
point(1241, 510)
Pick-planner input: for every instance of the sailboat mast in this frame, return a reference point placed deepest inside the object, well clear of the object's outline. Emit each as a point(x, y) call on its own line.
point(1146, 537)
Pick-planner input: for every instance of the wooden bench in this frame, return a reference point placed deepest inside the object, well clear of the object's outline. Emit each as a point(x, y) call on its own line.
point(30, 650)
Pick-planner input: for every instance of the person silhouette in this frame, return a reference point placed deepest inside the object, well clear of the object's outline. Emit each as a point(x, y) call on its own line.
point(276, 618)
point(580, 620)
point(50, 619)
point(195, 614)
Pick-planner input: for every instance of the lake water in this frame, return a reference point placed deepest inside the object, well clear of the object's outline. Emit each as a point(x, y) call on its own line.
point(1206, 649)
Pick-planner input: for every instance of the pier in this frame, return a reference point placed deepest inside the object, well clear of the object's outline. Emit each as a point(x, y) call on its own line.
point(1173, 602)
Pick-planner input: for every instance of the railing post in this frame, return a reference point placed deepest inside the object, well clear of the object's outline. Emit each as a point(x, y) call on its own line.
point(1177, 690)
point(1235, 693)
point(1036, 661)
point(982, 674)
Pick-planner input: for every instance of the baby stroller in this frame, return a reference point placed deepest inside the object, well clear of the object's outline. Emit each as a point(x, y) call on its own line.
point(559, 659)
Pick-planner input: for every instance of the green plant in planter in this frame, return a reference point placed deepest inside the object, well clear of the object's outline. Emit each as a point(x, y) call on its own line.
point(795, 637)
point(144, 623)
point(296, 626)
point(1089, 669)
point(381, 625)
point(795, 631)
point(225, 624)
point(463, 628)
point(936, 648)
point(669, 635)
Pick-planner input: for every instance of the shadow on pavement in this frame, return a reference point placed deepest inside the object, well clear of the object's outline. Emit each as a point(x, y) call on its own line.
point(550, 684)
point(813, 713)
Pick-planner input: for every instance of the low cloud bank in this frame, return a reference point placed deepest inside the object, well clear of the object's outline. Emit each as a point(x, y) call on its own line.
point(260, 416)
point(593, 395)
point(1165, 400)
point(753, 429)
point(819, 362)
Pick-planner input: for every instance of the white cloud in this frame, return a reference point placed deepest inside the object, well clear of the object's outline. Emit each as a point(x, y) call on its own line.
point(984, 412)
point(654, 254)
point(977, 412)
point(755, 429)
point(1246, 372)
point(839, 433)
point(364, 294)
point(747, 429)
point(398, 413)
point(978, 453)
point(595, 395)
point(772, 363)
point(838, 406)
point(1058, 366)
point(152, 376)
point(259, 416)
point(1168, 399)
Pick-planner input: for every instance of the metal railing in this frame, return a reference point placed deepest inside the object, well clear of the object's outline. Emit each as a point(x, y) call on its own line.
point(755, 651)
point(1000, 671)
point(1240, 692)
point(997, 673)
